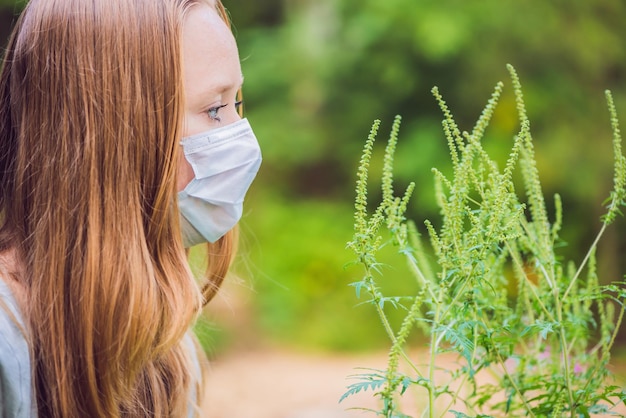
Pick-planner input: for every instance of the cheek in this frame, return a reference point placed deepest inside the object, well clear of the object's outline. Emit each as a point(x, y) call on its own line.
point(195, 123)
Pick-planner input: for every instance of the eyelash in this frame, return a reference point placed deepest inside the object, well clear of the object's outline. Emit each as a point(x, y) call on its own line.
point(213, 112)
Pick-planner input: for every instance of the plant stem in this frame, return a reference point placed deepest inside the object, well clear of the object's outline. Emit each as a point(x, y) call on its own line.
point(618, 324)
point(564, 353)
point(455, 396)
point(385, 321)
point(548, 278)
point(506, 372)
point(434, 343)
point(611, 342)
point(531, 285)
point(418, 272)
point(584, 262)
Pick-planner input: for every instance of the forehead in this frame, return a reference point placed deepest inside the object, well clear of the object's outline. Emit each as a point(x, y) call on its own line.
point(210, 56)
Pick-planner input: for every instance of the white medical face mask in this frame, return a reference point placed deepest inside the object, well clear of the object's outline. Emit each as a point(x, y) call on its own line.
point(225, 161)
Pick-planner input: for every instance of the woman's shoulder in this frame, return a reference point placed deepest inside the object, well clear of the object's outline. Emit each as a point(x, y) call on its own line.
point(10, 312)
point(16, 398)
point(12, 301)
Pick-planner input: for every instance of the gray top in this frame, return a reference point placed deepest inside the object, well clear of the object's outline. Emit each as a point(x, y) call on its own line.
point(16, 398)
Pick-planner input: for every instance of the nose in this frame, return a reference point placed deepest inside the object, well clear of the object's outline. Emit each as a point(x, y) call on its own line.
point(232, 115)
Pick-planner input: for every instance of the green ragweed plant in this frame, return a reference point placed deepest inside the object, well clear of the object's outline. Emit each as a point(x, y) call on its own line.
point(522, 333)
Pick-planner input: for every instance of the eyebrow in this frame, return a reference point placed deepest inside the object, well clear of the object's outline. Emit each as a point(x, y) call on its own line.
point(225, 87)
point(201, 97)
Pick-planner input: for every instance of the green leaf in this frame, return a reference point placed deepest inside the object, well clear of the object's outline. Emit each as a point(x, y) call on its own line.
point(368, 381)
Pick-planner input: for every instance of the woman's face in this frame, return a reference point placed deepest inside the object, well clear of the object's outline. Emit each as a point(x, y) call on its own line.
point(212, 77)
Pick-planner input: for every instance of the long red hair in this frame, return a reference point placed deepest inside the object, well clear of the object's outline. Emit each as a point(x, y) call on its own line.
point(90, 122)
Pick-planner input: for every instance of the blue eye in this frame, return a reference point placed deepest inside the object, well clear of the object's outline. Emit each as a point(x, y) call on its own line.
point(213, 112)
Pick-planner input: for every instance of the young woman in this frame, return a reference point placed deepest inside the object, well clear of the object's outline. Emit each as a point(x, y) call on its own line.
point(98, 200)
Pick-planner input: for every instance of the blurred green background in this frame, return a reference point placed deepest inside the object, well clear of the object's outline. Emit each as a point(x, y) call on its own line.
point(318, 72)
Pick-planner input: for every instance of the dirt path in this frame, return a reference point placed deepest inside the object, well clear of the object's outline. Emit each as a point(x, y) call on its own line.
point(281, 384)
point(285, 384)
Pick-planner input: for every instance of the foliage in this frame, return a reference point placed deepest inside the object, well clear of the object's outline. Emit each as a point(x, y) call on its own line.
point(299, 279)
point(315, 69)
point(501, 299)
point(325, 67)
point(16, 4)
